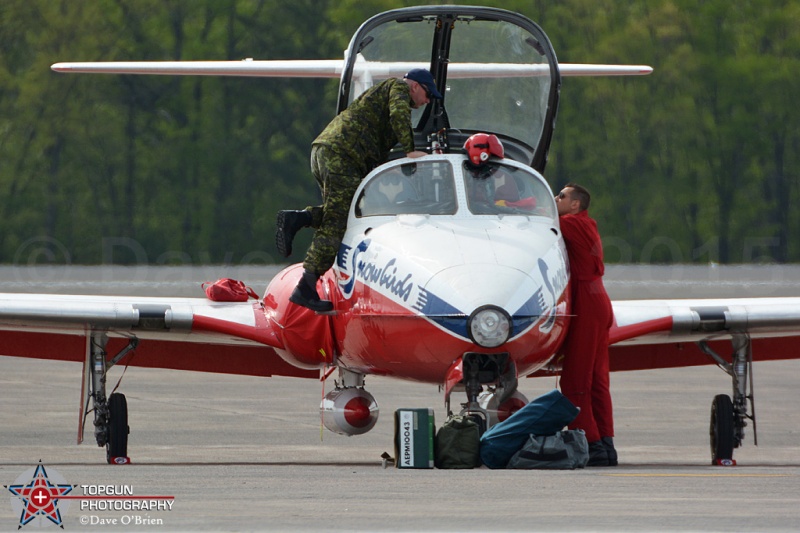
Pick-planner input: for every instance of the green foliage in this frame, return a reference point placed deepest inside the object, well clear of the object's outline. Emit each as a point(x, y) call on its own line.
point(697, 162)
point(680, 162)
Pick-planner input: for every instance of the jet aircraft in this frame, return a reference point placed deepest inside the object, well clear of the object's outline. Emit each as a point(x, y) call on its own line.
point(442, 284)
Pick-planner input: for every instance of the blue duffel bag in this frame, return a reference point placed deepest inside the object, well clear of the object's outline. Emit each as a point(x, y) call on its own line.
point(545, 415)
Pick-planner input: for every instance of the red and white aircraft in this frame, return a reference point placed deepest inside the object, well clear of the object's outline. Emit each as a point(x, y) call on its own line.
point(443, 276)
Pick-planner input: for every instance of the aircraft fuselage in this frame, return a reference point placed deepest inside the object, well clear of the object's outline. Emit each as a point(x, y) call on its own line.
point(413, 274)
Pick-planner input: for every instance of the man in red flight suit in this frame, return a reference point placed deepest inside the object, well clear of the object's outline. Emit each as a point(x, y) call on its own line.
point(584, 375)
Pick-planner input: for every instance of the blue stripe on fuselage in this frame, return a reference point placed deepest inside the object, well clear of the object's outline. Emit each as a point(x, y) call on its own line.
point(455, 321)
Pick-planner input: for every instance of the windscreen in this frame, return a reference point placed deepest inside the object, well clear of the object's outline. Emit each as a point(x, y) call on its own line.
point(496, 189)
point(423, 188)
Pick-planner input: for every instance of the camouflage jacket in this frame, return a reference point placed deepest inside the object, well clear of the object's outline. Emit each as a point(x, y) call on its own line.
point(372, 125)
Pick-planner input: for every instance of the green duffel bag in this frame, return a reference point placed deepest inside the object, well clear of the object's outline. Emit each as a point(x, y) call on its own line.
point(458, 443)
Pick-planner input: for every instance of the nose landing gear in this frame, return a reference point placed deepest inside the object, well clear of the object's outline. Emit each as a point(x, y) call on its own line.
point(472, 372)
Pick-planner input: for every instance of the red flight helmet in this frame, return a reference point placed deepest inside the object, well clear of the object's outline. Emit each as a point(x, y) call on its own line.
point(482, 145)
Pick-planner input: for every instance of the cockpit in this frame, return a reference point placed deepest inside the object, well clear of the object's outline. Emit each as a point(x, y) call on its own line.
point(418, 188)
point(448, 185)
point(498, 189)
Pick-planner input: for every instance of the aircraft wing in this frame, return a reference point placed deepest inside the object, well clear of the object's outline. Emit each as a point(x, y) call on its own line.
point(177, 333)
point(332, 68)
point(667, 333)
point(323, 68)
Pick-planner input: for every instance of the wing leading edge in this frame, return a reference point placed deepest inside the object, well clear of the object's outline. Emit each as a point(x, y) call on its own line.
point(332, 68)
point(667, 333)
point(176, 333)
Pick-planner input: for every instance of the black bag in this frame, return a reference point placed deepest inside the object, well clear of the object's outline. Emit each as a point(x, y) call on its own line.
point(566, 450)
point(458, 443)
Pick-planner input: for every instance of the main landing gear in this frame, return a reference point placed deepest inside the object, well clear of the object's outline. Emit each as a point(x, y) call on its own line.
point(729, 414)
point(110, 413)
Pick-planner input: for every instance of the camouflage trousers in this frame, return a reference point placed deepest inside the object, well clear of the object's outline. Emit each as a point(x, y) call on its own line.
point(338, 178)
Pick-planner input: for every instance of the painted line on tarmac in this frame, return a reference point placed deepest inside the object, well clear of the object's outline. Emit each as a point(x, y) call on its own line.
point(698, 475)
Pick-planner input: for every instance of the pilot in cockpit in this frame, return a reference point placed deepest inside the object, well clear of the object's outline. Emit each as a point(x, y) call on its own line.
point(385, 194)
point(394, 186)
point(492, 187)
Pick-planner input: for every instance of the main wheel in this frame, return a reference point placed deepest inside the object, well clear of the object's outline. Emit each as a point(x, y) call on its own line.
point(117, 445)
point(722, 432)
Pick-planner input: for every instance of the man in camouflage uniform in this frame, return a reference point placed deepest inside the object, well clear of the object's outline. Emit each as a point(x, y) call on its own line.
point(355, 142)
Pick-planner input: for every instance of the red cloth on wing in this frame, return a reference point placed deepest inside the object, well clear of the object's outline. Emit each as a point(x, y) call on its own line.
point(584, 376)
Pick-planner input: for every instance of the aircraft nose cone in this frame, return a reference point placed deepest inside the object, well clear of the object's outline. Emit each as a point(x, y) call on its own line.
point(468, 287)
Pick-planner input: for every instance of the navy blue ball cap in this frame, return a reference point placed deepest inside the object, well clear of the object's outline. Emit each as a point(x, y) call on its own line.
point(424, 78)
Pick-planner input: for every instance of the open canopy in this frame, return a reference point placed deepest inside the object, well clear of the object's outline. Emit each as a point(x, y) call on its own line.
point(496, 69)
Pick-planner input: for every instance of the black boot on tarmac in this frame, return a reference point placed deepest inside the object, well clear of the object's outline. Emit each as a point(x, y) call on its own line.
point(288, 224)
point(598, 456)
point(305, 294)
point(608, 443)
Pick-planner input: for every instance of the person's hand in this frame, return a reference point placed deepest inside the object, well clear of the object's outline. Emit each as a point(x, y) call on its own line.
point(415, 154)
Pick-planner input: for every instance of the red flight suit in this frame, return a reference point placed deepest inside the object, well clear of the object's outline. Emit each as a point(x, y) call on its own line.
point(584, 375)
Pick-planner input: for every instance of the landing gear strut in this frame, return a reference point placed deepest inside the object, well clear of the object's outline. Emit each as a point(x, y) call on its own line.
point(729, 414)
point(110, 413)
point(480, 369)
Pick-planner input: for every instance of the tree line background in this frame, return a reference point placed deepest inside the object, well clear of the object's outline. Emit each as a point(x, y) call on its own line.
point(697, 162)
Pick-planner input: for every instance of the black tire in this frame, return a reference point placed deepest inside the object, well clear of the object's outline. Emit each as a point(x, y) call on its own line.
point(722, 437)
point(118, 430)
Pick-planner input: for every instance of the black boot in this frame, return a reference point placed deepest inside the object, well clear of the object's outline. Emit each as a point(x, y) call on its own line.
point(305, 294)
point(288, 224)
point(598, 456)
point(608, 443)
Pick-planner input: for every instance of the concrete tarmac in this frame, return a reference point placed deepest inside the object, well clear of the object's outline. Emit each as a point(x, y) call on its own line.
point(248, 454)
